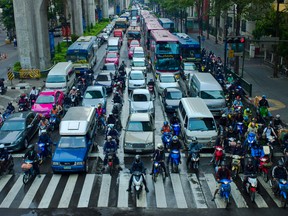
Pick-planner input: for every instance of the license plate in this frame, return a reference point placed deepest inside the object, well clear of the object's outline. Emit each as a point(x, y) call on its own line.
point(138, 150)
point(67, 167)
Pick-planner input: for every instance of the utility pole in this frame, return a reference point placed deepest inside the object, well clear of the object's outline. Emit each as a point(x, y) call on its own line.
point(225, 40)
point(276, 47)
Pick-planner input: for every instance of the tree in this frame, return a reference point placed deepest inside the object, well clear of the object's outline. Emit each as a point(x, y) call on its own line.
point(7, 17)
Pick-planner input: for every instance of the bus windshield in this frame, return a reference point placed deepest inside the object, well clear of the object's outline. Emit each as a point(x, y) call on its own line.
point(167, 64)
point(167, 48)
point(77, 57)
point(188, 52)
point(134, 35)
point(120, 25)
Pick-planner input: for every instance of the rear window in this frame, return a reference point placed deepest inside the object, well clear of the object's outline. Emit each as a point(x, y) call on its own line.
point(201, 124)
point(93, 95)
point(212, 94)
point(139, 126)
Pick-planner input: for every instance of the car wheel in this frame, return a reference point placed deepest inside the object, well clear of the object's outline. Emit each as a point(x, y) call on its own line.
point(26, 143)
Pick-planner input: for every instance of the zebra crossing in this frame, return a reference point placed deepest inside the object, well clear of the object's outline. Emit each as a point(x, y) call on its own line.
point(179, 190)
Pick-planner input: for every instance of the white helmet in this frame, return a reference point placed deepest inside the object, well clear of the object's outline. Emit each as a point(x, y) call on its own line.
point(277, 116)
point(74, 88)
point(160, 146)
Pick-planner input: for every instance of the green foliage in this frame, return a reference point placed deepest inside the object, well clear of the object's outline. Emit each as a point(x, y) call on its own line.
point(17, 66)
point(7, 17)
point(74, 37)
point(59, 48)
point(97, 28)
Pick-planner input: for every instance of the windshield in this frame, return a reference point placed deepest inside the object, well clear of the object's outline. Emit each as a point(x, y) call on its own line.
point(141, 97)
point(190, 67)
point(138, 55)
point(55, 79)
point(167, 79)
point(174, 95)
point(112, 48)
point(167, 48)
point(93, 95)
point(201, 124)
point(109, 67)
point(120, 25)
point(134, 43)
point(111, 55)
point(72, 142)
point(168, 64)
point(131, 49)
point(13, 126)
point(139, 126)
point(76, 57)
point(45, 100)
point(217, 94)
point(191, 52)
point(138, 64)
point(102, 78)
point(136, 76)
point(134, 35)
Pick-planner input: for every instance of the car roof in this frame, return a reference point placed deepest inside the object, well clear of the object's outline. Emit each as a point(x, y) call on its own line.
point(167, 74)
point(104, 73)
point(138, 49)
point(139, 117)
point(141, 91)
point(91, 88)
point(47, 92)
point(173, 90)
point(19, 115)
point(138, 59)
point(136, 71)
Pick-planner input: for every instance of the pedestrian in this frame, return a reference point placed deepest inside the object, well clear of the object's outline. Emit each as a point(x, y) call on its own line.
point(15, 42)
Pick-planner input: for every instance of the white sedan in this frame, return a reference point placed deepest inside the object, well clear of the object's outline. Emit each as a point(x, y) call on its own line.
point(166, 80)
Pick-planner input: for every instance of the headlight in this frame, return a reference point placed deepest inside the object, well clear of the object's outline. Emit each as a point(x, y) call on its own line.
point(128, 144)
point(149, 144)
point(79, 163)
point(55, 163)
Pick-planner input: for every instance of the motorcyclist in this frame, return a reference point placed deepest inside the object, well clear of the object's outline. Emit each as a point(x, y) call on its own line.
point(122, 66)
point(256, 152)
point(223, 120)
point(237, 102)
point(230, 79)
point(252, 128)
point(159, 156)
point(174, 119)
point(45, 138)
point(3, 152)
point(111, 119)
point(23, 100)
point(117, 98)
point(165, 129)
point(32, 155)
point(249, 169)
point(174, 145)
point(247, 112)
point(240, 151)
point(278, 172)
point(222, 173)
point(263, 102)
point(151, 83)
point(9, 109)
point(73, 91)
point(110, 147)
point(33, 93)
point(194, 147)
point(60, 109)
point(137, 165)
point(269, 131)
point(55, 111)
point(100, 113)
point(111, 131)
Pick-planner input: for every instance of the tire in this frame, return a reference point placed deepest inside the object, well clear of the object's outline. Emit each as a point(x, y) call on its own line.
point(138, 194)
point(227, 200)
point(252, 196)
point(234, 173)
point(283, 202)
point(26, 143)
point(26, 178)
point(265, 177)
point(154, 178)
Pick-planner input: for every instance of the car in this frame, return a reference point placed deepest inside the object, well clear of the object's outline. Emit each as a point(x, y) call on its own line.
point(104, 35)
point(171, 98)
point(134, 43)
point(188, 68)
point(133, 23)
point(139, 64)
point(111, 68)
point(45, 101)
point(94, 95)
point(136, 79)
point(105, 79)
point(130, 52)
point(142, 101)
point(166, 80)
point(112, 57)
point(57, 32)
point(139, 134)
point(18, 130)
point(138, 53)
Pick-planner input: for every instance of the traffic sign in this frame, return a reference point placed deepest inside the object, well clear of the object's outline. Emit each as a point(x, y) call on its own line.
point(10, 75)
point(231, 53)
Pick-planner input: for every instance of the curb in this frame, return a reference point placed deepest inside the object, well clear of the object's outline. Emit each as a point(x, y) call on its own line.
point(18, 87)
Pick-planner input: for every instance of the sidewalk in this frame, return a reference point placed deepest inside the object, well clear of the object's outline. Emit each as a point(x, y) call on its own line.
point(259, 75)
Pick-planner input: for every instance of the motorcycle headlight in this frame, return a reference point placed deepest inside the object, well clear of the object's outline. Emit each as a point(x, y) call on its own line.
point(55, 163)
point(79, 163)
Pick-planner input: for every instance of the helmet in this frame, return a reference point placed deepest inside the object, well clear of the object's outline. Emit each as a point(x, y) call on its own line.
point(137, 158)
point(110, 114)
point(174, 138)
point(54, 106)
point(223, 164)
point(74, 88)
point(10, 103)
point(247, 109)
point(30, 147)
point(250, 161)
point(151, 80)
point(33, 87)
point(277, 116)
point(109, 138)
point(194, 139)
point(99, 105)
point(223, 115)
point(118, 83)
point(245, 118)
point(160, 146)
point(165, 123)
point(280, 163)
point(264, 96)
point(238, 142)
point(230, 127)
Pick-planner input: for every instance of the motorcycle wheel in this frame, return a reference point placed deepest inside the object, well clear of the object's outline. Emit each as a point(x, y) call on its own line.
point(26, 178)
point(138, 194)
point(154, 177)
point(265, 176)
point(234, 173)
point(252, 196)
point(283, 202)
point(227, 201)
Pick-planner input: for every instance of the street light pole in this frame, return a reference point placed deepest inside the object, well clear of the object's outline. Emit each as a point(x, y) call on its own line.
point(225, 45)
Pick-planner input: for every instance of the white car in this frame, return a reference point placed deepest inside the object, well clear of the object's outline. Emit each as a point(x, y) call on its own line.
point(141, 101)
point(136, 79)
point(139, 64)
point(188, 68)
point(166, 80)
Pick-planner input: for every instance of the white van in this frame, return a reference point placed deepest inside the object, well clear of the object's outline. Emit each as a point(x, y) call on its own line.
point(62, 76)
point(205, 86)
point(197, 120)
point(113, 44)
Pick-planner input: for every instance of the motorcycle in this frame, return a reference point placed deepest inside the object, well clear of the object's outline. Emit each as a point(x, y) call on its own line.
point(29, 172)
point(137, 181)
point(251, 139)
point(42, 128)
point(240, 129)
point(236, 165)
point(283, 186)
point(175, 160)
point(176, 129)
point(43, 152)
point(225, 190)
point(53, 122)
point(158, 169)
point(6, 166)
point(219, 155)
point(73, 99)
point(195, 159)
point(22, 107)
point(251, 186)
point(167, 136)
point(264, 167)
point(111, 162)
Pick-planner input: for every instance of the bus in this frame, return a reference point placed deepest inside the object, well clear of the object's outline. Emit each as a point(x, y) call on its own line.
point(121, 23)
point(82, 53)
point(190, 49)
point(164, 52)
point(147, 31)
point(133, 33)
point(167, 24)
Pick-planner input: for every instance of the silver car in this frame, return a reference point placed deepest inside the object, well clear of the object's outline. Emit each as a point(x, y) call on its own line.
point(136, 79)
point(141, 101)
point(139, 64)
point(94, 95)
point(139, 135)
point(166, 80)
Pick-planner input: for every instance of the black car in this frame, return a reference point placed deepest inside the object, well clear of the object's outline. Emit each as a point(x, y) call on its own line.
point(18, 129)
point(105, 79)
